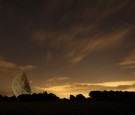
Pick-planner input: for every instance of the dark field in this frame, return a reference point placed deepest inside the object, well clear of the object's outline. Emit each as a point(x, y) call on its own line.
point(66, 108)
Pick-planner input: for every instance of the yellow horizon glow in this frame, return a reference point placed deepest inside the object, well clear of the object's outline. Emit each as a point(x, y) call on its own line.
point(84, 88)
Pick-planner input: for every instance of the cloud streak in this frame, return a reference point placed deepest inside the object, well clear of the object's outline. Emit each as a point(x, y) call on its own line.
point(129, 61)
point(7, 65)
point(76, 47)
point(97, 43)
point(57, 79)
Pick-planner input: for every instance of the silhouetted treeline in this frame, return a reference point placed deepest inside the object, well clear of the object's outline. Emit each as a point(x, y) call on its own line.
point(93, 96)
point(112, 96)
point(32, 97)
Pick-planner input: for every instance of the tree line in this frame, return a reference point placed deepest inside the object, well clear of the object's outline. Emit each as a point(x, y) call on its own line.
point(93, 96)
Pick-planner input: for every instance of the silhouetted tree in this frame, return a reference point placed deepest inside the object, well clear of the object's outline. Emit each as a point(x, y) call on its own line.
point(80, 97)
point(24, 97)
point(72, 98)
point(6, 98)
point(1, 98)
point(64, 99)
point(13, 99)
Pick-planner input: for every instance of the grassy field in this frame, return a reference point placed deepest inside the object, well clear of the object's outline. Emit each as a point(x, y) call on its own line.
point(66, 108)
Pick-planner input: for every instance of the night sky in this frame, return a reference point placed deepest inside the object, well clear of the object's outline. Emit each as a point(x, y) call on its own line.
point(68, 46)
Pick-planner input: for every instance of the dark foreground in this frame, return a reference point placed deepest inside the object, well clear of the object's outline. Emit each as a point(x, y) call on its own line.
point(67, 108)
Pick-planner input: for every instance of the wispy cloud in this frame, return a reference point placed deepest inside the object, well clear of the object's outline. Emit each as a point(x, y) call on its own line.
point(6, 65)
point(78, 33)
point(97, 43)
point(55, 79)
point(77, 48)
point(27, 67)
point(129, 61)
